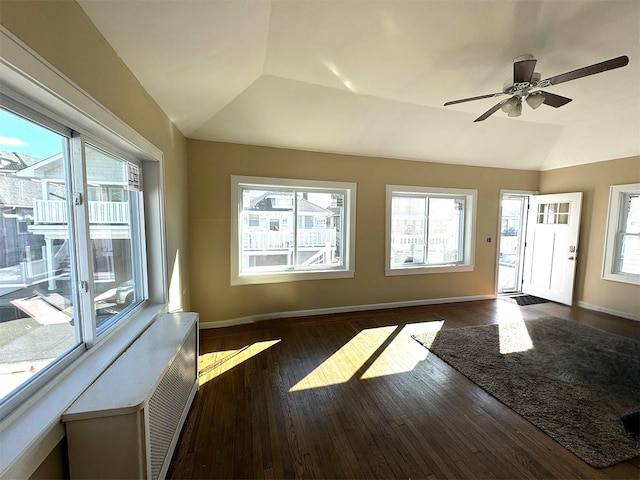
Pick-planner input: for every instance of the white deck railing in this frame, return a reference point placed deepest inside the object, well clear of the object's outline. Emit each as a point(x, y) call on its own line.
point(55, 212)
point(272, 240)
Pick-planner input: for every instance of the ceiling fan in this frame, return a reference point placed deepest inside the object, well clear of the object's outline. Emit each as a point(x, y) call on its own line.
point(526, 80)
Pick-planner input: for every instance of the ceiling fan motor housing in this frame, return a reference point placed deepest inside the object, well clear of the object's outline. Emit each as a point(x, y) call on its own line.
point(511, 88)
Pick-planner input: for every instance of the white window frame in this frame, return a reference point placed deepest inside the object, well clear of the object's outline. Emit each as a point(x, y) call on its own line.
point(33, 428)
point(74, 162)
point(467, 264)
point(347, 270)
point(611, 250)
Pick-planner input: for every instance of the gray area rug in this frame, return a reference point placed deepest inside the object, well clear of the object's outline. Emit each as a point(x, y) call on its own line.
point(574, 382)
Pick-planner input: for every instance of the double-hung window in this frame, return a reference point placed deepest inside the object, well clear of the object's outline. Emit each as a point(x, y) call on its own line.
point(285, 230)
point(622, 243)
point(71, 245)
point(429, 230)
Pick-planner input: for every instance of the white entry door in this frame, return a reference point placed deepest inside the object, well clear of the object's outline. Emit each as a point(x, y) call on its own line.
point(551, 247)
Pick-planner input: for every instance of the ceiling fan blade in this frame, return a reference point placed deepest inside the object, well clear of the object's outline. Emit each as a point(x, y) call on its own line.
point(489, 112)
point(453, 102)
point(554, 100)
point(523, 70)
point(585, 71)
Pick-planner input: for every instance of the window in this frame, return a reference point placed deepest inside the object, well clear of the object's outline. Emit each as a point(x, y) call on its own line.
point(429, 230)
point(287, 230)
point(63, 117)
point(622, 243)
point(254, 220)
point(553, 213)
point(71, 246)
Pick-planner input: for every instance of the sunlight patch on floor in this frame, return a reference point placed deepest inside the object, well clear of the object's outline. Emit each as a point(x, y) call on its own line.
point(406, 352)
point(513, 333)
point(379, 351)
point(211, 365)
point(343, 364)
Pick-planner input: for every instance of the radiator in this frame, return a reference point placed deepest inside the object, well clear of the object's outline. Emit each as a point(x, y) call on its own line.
point(127, 423)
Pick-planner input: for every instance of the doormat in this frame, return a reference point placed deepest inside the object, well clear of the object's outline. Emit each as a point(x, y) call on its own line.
point(525, 299)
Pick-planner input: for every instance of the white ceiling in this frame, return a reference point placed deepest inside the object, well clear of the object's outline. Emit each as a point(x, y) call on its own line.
point(371, 77)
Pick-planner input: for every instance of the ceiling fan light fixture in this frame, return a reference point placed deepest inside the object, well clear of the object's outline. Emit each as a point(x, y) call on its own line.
point(535, 100)
point(516, 111)
point(508, 106)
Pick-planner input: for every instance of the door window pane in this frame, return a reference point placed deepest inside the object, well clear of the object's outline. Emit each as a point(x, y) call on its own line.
point(553, 213)
point(513, 208)
point(38, 321)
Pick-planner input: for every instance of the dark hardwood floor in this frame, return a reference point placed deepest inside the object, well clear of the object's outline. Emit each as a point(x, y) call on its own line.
point(353, 396)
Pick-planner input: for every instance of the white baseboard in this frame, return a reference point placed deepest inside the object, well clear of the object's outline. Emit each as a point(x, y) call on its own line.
point(597, 308)
point(345, 309)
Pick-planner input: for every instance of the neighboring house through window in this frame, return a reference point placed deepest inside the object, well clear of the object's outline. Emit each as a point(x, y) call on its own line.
point(287, 230)
point(429, 230)
point(71, 233)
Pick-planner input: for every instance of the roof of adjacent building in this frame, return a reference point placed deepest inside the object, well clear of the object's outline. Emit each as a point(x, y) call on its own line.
point(14, 161)
point(264, 203)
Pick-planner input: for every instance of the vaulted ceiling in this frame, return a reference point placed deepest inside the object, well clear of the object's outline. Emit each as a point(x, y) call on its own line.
point(371, 77)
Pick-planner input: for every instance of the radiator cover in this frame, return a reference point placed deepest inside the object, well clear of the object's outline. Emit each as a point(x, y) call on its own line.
point(126, 424)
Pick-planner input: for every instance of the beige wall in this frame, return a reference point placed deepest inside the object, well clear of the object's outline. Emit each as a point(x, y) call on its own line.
point(60, 32)
point(210, 167)
point(594, 181)
point(55, 465)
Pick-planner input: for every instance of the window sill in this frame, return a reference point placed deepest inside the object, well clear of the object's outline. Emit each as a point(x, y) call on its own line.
point(30, 432)
point(622, 278)
point(259, 278)
point(420, 270)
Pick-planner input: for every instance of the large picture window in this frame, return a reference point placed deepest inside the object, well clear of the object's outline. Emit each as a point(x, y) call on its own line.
point(83, 256)
point(622, 245)
point(429, 229)
point(287, 230)
point(71, 251)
